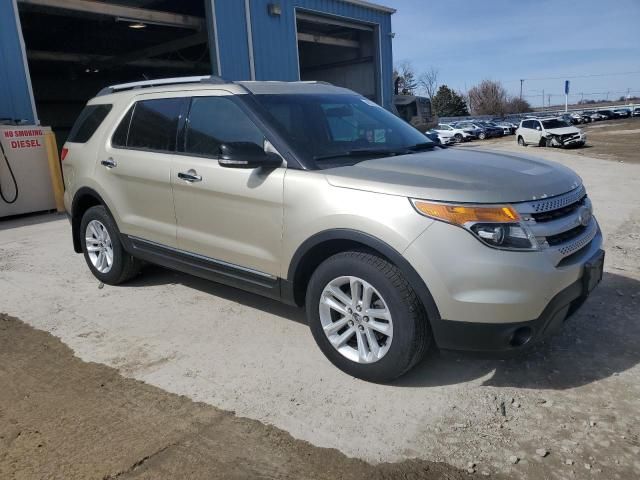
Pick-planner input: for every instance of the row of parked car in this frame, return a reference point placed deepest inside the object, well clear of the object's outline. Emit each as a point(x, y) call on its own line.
point(466, 130)
point(588, 116)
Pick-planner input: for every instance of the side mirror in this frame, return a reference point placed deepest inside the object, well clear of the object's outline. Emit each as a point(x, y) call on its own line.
point(247, 155)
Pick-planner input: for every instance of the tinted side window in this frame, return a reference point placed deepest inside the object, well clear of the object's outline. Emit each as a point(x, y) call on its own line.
point(119, 138)
point(88, 122)
point(154, 124)
point(216, 120)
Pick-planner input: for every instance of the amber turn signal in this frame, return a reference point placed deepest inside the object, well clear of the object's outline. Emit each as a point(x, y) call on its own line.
point(462, 214)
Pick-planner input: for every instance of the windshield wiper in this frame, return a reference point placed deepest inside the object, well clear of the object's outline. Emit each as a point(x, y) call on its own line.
point(361, 152)
point(421, 146)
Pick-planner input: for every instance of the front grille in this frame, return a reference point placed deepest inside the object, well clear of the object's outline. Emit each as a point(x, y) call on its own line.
point(566, 236)
point(557, 222)
point(560, 201)
point(559, 213)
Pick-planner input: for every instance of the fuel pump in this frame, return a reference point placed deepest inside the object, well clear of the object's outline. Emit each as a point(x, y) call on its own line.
point(26, 181)
point(13, 179)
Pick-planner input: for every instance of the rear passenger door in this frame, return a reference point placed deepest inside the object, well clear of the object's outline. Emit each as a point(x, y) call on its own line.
point(231, 216)
point(134, 169)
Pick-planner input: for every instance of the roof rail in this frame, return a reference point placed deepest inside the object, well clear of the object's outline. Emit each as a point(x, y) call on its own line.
point(161, 81)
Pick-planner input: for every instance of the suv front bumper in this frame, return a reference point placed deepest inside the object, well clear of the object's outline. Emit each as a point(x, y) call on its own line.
point(491, 299)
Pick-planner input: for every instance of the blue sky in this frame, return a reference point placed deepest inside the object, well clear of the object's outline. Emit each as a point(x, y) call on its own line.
point(468, 41)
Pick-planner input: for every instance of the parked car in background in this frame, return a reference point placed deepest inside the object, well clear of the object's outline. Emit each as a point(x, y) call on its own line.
point(577, 118)
point(636, 112)
point(595, 116)
point(608, 114)
point(567, 117)
point(441, 137)
point(459, 134)
point(492, 129)
point(508, 127)
point(549, 132)
point(622, 112)
point(586, 118)
point(472, 129)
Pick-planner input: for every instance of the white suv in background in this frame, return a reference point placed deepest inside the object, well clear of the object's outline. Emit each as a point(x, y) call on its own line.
point(458, 134)
point(549, 132)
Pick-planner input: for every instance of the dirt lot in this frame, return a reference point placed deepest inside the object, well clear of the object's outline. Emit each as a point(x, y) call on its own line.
point(616, 140)
point(575, 397)
point(63, 418)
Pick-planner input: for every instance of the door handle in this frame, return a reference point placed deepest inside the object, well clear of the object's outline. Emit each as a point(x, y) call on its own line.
point(109, 163)
point(190, 176)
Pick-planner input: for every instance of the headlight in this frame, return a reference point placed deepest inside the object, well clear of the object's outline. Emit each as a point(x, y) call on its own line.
point(497, 226)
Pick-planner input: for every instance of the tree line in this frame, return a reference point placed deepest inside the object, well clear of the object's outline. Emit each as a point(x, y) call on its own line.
point(489, 97)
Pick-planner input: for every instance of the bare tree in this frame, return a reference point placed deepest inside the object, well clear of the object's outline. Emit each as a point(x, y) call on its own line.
point(408, 78)
point(488, 98)
point(518, 105)
point(428, 81)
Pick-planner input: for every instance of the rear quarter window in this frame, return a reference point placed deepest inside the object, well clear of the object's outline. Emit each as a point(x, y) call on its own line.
point(88, 122)
point(154, 125)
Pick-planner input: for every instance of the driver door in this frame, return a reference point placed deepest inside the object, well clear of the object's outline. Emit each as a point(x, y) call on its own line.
point(230, 216)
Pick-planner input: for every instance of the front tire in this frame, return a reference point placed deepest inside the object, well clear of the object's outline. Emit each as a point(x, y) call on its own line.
point(365, 317)
point(103, 250)
point(482, 135)
point(521, 142)
point(458, 137)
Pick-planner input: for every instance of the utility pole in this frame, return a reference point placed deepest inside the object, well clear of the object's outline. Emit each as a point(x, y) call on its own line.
point(543, 100)
point(581, 97)
point(549, 101)
point(521, 82)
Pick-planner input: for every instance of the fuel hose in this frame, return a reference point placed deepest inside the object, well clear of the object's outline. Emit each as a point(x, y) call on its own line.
point(13, 177)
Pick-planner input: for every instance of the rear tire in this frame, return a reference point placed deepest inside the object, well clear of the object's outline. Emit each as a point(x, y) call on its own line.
point(99, 235)
point(482, 135)
point(351, 347)
point(521, 142)
point(458, 137)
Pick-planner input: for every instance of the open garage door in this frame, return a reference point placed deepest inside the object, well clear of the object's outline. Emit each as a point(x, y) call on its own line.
point(341, 52)
point(76, 47)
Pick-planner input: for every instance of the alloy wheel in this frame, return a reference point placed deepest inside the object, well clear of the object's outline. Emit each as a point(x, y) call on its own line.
point(356, 320)
point(99, 247)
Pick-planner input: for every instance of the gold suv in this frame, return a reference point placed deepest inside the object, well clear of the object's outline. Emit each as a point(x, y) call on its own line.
point(311, 194)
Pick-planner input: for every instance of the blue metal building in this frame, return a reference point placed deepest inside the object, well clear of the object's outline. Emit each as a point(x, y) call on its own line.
point(345, 42)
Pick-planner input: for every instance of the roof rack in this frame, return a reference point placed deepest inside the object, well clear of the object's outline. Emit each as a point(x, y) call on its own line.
point(161, 81)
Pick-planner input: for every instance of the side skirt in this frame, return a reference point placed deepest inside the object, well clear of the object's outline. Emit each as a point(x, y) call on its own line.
point(204, 267)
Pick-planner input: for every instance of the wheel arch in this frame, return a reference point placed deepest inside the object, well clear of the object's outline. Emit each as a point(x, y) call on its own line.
point(83, 200)
point(323, 245)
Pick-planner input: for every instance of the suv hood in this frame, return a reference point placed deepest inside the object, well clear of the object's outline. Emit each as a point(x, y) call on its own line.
point(563, 130)
point(457, 175)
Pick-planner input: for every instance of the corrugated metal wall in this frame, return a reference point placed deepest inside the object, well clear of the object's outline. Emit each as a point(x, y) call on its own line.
point(275, 43)
point(232, 39)
point(15, 99)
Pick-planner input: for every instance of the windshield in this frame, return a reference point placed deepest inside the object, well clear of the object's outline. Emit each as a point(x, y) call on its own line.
point(329, 130)
point(555, 123)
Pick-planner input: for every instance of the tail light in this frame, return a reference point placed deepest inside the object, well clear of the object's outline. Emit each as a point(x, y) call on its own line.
point(63, 153)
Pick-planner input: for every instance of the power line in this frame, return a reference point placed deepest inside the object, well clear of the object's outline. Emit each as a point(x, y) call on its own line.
point(564, 77)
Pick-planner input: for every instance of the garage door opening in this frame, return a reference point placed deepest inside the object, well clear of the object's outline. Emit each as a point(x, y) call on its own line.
point(75, 48)
point(340, 52)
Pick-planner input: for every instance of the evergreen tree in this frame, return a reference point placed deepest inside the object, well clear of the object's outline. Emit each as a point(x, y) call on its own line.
point(447, 103)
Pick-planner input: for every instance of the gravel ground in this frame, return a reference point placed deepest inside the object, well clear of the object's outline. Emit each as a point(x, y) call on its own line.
point(569, 408)
point(108, 427)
